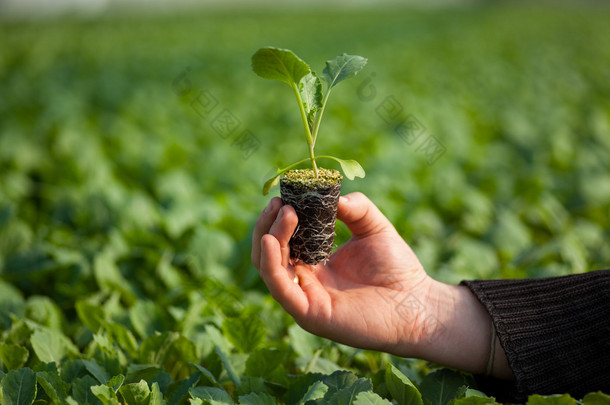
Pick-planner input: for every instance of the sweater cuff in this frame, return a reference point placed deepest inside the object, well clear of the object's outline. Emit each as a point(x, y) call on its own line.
point(555, 332)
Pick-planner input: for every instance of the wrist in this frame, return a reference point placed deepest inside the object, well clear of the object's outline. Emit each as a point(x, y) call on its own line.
point(420, 325)
point(465, 339)
point(452, 328)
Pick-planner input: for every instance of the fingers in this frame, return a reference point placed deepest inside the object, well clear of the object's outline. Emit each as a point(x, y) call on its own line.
point(271, 254)
point(307, 301)
point(279, 280)
point(361, 216)
point(319, 310)
point(283, 228)
point(263, 224)
point(278, 220)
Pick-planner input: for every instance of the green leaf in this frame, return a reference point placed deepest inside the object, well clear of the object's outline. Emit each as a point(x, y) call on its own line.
point(105, 394)
point(146, 318)
point(13, 356)
point(116, 382)
point(279, 64)
point(51, 345)
point(350, 168)
point(122, 336)
point(370, 398)
point(298, 387)
point(20, 333)
point(251, 384)
point(19, 387)
point(347, 395)
point(272, 182)
point(596, 398)
point(257, 399)
point(11, 304)
point(72, 369)
point(245, 332)
point(46, 367)
point(96, 371)
point(471, 392)
point(228, 366)
point(340, 379)
point(170, 350)
point(440, 387)
point(303, 342)
point(211, 394)
point(71, 401)
point(310, 89)
point(474, 400)
point(89, 314)
point(81, 390)
point(509, 234)
point(183, 352)
point(207, 373)
point(103, 343)
point(142, 373)
point(136, 393)
point(315, 391)
point(342, 67)
point(401, 388)
point(264, 361)
point(178, 390)
point(44, 311)
point(316, 364)
point(55, 388)
point(156, 397)
point(564, 399)
point(109, 277)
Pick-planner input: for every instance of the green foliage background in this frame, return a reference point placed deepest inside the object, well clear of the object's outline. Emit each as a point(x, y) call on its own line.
point(125, 218)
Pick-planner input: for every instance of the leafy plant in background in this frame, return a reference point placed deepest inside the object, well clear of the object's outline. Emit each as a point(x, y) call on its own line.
point(122, 255)
point(197, 351)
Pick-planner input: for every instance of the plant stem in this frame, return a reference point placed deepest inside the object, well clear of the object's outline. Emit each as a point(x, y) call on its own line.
point(292, 165)
point(310, 141)
point(318, 118)
point(313, 161)
point(314, 359)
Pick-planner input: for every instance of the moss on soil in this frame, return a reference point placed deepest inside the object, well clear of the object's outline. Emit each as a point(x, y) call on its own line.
point(306, 178)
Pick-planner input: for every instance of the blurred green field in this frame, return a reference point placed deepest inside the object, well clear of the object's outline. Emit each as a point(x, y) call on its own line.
point(118, 187)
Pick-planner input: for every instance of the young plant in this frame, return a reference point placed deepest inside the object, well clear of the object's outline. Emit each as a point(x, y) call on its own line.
point(311, 92)
point(313, 193)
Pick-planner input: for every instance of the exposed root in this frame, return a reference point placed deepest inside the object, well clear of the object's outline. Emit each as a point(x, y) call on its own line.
point(316, 209)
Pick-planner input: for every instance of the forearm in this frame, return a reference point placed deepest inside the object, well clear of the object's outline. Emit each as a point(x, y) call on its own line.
point(453, 329)
point(555, 331)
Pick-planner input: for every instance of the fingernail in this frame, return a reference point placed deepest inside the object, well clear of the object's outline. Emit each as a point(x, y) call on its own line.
point(342, 200)
point(279, 215)
point(268, 207)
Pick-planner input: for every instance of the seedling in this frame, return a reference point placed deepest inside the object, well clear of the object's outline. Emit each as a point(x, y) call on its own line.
point(314, 193)
point(311, 93)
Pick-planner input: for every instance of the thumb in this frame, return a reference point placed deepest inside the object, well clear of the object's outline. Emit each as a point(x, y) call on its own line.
point(361, 216)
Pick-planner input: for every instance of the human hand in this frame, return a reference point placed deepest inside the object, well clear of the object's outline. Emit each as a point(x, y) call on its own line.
point(365, 295)
point(373, 292)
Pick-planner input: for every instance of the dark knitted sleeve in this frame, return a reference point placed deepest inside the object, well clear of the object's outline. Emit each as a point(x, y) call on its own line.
point(555, 332)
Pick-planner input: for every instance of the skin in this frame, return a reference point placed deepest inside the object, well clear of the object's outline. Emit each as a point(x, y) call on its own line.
point(373, 293)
